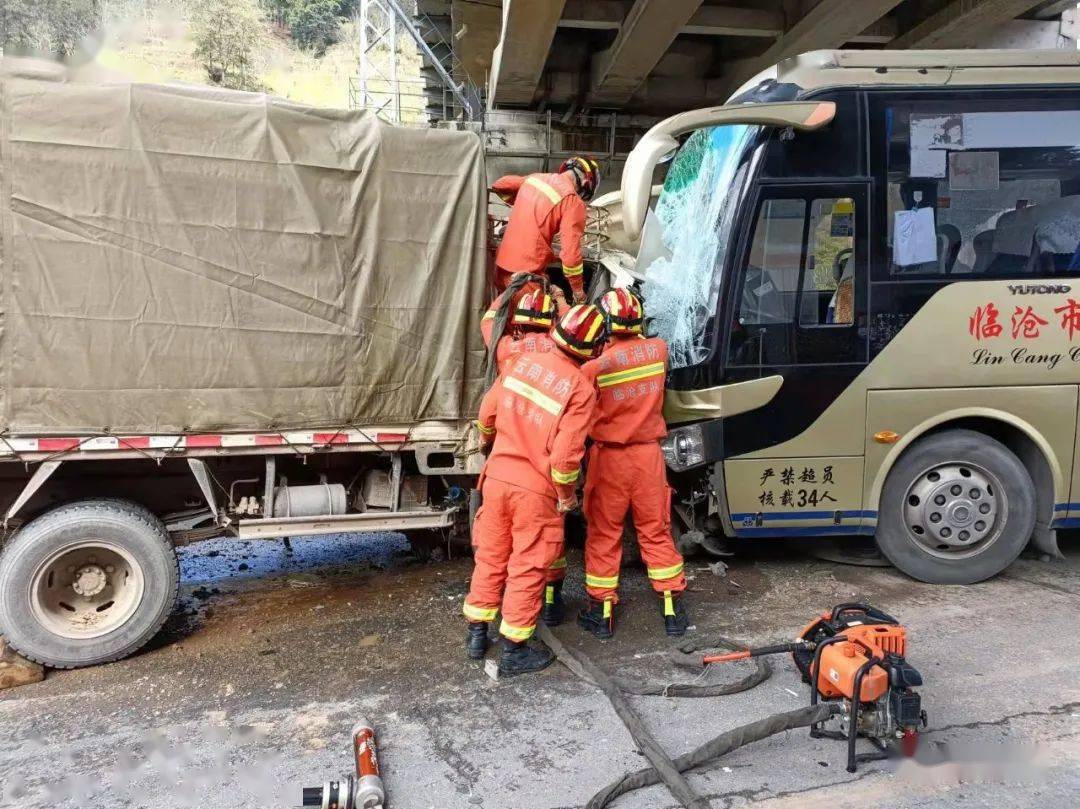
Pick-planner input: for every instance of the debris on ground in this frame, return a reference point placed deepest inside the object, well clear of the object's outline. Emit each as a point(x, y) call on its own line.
point(17, 670)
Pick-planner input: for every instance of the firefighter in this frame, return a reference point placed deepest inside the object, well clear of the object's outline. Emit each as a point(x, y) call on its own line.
point(535, 419)
point(543, 205)
point(530, 323)
point(528, 326)
point(627, 471)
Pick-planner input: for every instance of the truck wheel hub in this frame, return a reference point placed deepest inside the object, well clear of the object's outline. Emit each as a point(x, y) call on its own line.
point(89, 581)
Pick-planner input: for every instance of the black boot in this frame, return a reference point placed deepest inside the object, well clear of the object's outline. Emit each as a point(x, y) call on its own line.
point(676, 619)
point(520, 658)
point(476, 644)
point(599, 618)
point(554, 609)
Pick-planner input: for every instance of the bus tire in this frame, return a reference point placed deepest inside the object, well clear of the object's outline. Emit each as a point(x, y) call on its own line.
point(86, 583)
point(957, 508)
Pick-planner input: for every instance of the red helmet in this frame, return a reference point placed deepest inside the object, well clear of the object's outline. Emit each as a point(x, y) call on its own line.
point(580, 332)
point(534, 310)
point(587, 172)
point(625, 314)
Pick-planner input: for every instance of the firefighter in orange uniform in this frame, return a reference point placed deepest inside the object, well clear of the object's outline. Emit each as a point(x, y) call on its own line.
point(528, 326)
point(543, 205)
point(537, 415)
point(626, 470)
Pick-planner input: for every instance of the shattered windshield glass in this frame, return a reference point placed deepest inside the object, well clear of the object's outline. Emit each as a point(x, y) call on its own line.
point(686, 238)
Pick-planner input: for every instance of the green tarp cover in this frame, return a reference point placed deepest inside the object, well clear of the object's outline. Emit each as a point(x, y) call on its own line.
point(183, 258)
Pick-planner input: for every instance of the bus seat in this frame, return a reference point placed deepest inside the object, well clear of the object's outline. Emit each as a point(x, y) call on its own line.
point(949, 239)
point(984, 251)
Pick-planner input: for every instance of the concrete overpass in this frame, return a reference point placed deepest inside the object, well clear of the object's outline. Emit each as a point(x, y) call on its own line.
point(654, 57)
point(564, 77)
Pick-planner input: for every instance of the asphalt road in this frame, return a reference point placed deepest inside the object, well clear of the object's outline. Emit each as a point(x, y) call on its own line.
point(248, 695)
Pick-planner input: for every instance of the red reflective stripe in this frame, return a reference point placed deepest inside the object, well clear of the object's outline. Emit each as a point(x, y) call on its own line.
point(391, 438)
point(134, 441)
point(202, 441)
point(56, 444)
point(269, 440)
point(330, 438)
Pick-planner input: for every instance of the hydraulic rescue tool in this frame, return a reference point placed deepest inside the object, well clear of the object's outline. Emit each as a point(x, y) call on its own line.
point(364, 790)
point(854, 655)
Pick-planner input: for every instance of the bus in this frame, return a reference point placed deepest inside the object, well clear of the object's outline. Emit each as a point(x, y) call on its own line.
point(867, 267)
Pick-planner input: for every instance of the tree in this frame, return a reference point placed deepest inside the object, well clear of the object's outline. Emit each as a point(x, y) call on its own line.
point(314, 23)
point(47, 26)
point(228, 35)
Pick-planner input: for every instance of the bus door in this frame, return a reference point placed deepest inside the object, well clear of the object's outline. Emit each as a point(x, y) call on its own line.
point(797, 309)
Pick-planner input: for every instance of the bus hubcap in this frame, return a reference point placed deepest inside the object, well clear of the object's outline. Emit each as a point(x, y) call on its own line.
point(952, 510)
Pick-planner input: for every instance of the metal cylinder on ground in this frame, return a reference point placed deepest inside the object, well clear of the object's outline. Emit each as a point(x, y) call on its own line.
point(369, 793)
point(319, 500)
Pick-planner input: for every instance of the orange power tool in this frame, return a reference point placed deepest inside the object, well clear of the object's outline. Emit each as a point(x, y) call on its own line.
point(855, 653)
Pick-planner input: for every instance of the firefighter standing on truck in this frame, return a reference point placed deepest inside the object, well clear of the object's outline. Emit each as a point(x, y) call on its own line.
point(626, 471)
point(537, 414)
point(543, 205)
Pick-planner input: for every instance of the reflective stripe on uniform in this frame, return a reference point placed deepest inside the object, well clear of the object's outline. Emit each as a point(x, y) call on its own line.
point(606, 582)
point(532, 394)
point(516, 632)
point(577, 269)
point(549, 595)
point(661, 573)
point(489, 314)
point(630, 374)
point(558, 564)
point(484, 614)
point(544, 189)
point(607, 608)
point(669, 603)
point(485, 430)
point(564, 478)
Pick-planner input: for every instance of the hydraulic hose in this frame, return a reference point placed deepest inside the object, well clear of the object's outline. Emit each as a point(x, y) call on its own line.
point(719, 746)
point(584, 668)
point(616, 688)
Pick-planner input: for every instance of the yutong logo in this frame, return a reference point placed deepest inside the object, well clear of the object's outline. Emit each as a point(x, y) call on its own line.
point(1039, 289)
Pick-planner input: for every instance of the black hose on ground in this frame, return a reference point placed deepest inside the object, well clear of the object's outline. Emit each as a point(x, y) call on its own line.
point(584, 668)
point(719, 746)
point(615, 688)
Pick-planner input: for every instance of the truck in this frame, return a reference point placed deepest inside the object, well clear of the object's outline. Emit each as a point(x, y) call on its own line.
point(867, 267)
point(223, 313)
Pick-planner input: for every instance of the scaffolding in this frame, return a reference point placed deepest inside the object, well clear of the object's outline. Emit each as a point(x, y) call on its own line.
point(387, 87)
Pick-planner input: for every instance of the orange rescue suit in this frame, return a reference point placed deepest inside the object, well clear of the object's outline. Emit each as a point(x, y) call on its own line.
point(538, 414)
point(543, 205)
point(626, 470)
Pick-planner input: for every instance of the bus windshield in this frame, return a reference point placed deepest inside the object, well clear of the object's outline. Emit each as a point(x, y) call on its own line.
point(686, 237)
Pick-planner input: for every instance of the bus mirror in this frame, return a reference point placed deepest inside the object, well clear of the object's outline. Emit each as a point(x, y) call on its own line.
point(661, 141)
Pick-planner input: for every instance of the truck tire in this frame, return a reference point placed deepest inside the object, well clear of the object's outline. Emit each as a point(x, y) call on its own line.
point(957, 508)
point(87, 583)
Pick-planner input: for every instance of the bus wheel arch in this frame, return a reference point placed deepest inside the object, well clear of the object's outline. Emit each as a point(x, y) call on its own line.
point(997, 456)
point(1019, 436)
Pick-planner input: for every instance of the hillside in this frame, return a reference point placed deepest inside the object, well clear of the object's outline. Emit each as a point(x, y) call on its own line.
point(158, 49)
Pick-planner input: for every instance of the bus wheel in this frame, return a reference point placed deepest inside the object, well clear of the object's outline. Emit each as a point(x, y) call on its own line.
point(87, 583)
point(957, 508)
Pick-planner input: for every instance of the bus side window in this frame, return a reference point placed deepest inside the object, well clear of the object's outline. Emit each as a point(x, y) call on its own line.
point(980, 187)
point(769, 287)
point(828, 296)
point(801, 259)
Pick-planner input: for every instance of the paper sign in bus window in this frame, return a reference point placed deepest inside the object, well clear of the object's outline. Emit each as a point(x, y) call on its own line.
point(914, 237)
point(973, 171)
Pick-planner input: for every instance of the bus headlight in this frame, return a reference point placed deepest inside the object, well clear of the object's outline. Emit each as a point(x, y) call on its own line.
point(684, 448)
